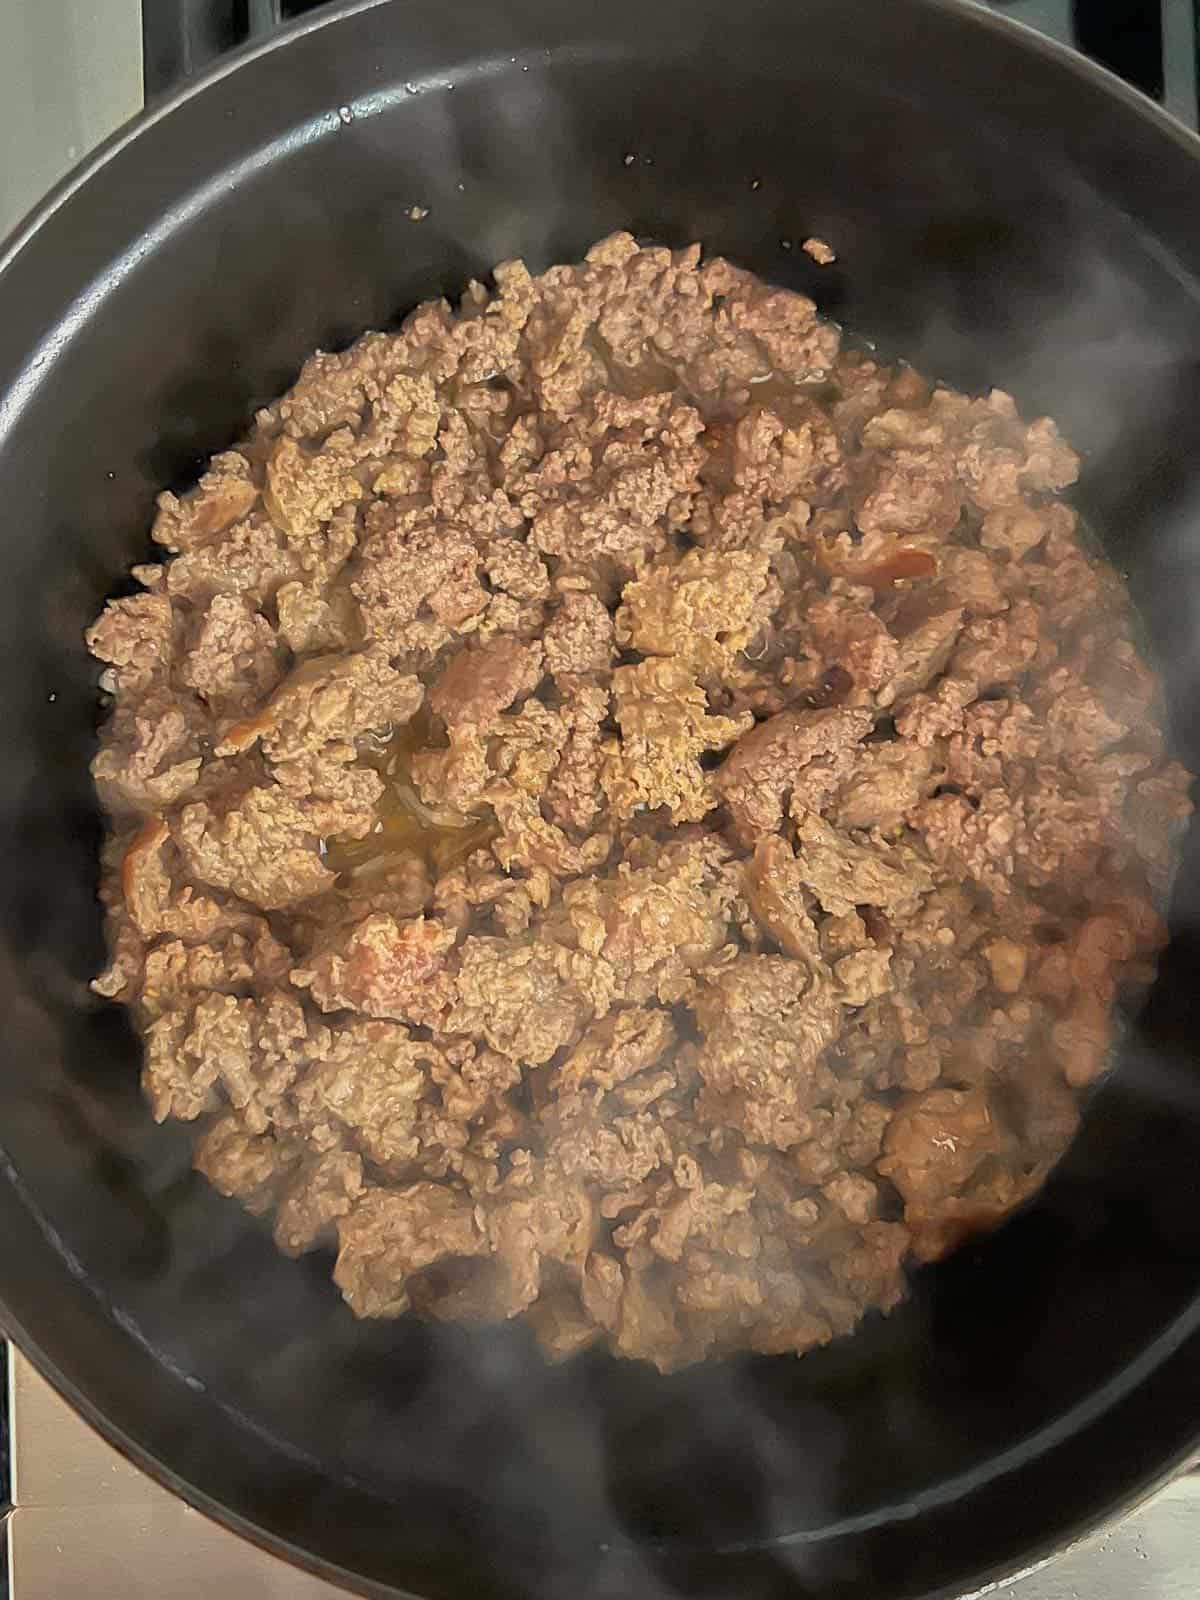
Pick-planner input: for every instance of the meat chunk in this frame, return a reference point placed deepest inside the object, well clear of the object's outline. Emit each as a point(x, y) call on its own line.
point(615, 1153)
point(250, 1167)
point(328, 700)
point(649, 928)
point(574, 797)
point(511, 993)
point(924, 649)
point(366, 1091)
point(223, 1048)
point(622, 470)
point(390, 1235)
point(545, 1217)
point(471, 696)
point(843, 873)
point(766, 1021)
point(150, 760)
point(304, 488)
point(786, 326)
point(778, 893)
point(853, 638)
point(225, 494)
point(887, 781)
point(700, 610)
point(310, 1206)
point(383, 968)
point(234, 650)
point(934, 1151)
point(666, 728)
point(137, 637)
point(913, 492)
point(251, 560)
point(262, 848)
point(417, 584)
point(579, 636)
point(479, 684)
point(765, 764)
point(617, 1049)
point(518, 570)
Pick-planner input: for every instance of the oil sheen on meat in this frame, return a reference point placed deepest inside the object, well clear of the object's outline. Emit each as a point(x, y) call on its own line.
point(627, 814)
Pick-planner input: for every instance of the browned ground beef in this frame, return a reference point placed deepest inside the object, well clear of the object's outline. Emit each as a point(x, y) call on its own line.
point(628, 814)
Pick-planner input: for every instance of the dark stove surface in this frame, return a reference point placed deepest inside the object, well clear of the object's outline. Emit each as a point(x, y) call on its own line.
point(1150, 43)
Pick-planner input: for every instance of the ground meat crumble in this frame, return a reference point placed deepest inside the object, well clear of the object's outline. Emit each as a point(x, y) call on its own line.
point(629, 813)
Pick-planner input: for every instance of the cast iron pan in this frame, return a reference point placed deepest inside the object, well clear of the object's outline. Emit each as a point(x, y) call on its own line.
point(1003, 213)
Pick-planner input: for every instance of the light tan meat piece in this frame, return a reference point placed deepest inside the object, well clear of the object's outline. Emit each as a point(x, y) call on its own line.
point(843, 873)
point(701, 611)
point(328, 700)
point(390, 1235)
point(263, 847)
point(511, 992)
point(665, 727)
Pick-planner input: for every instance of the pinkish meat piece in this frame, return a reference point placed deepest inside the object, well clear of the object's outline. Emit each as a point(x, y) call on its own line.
point(764, 766)
point(383, 968)
point(885, 783)
point(233, 653)
point(481, 683)
point(912, 492)
point(579, 636)
point(765, 1023)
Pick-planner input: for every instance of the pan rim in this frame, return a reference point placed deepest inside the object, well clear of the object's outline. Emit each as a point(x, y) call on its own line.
point(973, 12)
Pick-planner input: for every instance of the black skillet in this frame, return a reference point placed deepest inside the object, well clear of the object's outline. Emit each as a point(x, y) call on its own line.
point(1003, 213)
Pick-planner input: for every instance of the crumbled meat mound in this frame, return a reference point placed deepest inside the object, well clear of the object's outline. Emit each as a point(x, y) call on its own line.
point(629, 814)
